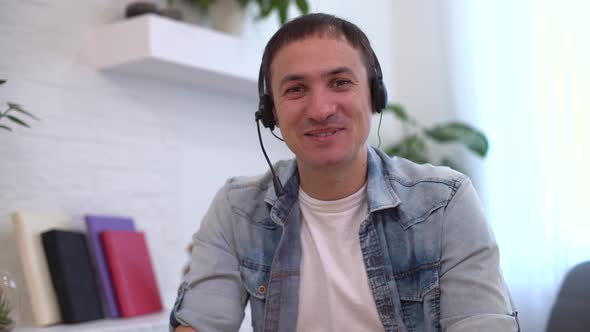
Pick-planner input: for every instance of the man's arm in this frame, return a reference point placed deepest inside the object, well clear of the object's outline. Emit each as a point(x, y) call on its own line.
point(185, 329)
point(474, 296)
point(212, 296)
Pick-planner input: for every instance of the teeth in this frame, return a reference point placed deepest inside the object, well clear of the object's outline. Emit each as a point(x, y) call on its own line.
point(323, 134)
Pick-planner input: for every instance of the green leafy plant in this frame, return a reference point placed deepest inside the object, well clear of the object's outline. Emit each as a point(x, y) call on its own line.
point(5, 309)
point(11, 113)
point(202, 5)
point(281, 6)
point(266, 7)
point(415, 144)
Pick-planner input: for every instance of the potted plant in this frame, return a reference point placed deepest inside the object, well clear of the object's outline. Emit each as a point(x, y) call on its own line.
point(228, 15)
point(6, 322)
point(281, 6)
point(10, 114)
point(414, 145)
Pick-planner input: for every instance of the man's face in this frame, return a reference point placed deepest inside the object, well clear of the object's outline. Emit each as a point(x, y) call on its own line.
point(322, 101)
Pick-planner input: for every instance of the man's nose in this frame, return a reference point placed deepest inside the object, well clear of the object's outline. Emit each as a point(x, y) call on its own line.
point(321, 105)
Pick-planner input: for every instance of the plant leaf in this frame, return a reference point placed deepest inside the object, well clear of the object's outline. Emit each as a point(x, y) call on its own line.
point(19, 108)
point(243, 3)
point(5, 310)
point(18, 121)
point(411, 147)
point(283, 6)
point(265, 8)
point(399, 111)
point(5, 127)
point(303, 6)
point(463, 133)
point(260, 6)
point(446, 161)
point(14, 105)
point(204, 6)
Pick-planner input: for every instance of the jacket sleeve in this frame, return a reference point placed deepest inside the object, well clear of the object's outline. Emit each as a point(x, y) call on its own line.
point(474, 296)
point(211, 296)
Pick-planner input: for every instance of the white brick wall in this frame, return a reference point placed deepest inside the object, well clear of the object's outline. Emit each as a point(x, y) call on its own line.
point(108, 143)
point(114, 143)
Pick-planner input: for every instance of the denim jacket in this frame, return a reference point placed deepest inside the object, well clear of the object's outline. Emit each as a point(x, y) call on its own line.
point(431, 259)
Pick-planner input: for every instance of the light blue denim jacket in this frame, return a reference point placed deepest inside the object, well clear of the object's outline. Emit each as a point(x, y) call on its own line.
point(431, 259)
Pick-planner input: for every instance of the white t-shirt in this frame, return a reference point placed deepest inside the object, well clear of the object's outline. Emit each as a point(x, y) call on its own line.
point(334, 293)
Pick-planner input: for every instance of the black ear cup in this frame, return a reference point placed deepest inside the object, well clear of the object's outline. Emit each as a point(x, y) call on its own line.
point(378, 95)
point(385, 97)
point(265, 106)
point(265, 103)
point(378, 91)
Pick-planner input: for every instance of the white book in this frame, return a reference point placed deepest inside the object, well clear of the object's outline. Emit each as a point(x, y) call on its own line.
point(28, 228)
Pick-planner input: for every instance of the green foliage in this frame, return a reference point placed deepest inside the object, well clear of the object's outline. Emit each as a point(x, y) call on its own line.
point(455, 131)
point(282, 6)
point(5, 310)
point(414, 146)
point(265, 7)
point(202, 5)
point(12, 114)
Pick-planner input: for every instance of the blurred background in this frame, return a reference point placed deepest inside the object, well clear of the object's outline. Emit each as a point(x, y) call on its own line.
point(125, 142)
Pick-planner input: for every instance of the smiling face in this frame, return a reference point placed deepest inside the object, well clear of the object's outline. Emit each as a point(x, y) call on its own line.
point(322, 102)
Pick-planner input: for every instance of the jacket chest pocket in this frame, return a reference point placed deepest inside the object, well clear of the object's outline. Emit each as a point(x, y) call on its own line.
point(419, 295)
point(255, 278)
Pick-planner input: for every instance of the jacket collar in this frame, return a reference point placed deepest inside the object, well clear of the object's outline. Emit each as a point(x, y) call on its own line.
point(281, 206)
point(380, 193)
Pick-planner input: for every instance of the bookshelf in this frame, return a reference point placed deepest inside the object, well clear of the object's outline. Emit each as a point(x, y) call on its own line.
point(157, 47)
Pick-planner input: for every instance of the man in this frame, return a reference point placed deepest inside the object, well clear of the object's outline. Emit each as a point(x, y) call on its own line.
point(356, 241)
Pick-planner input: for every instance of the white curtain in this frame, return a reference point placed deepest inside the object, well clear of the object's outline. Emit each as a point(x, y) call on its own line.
point(520, 70)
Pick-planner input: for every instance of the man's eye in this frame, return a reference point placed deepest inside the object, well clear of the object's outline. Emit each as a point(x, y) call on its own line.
point(341, 82)
point(294, 89)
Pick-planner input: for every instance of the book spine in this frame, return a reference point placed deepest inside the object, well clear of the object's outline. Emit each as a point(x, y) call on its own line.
point(36, 271)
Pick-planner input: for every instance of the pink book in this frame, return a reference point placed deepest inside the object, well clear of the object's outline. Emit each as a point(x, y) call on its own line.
point(131, 272)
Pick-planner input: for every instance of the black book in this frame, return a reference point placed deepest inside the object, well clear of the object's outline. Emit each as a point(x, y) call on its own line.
point(72, 275)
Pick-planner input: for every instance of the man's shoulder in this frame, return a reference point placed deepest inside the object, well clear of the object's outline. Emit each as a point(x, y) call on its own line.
point(244, 192)
point(261, 182)
point(407, 173)
point(416, 189)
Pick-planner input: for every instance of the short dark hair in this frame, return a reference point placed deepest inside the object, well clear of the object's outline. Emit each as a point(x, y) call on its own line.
point(320, 25)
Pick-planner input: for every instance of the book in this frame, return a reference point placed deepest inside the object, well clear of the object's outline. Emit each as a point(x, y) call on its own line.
point(28, 227)
point(72, 275)
point(95, 224)
point(131, 272)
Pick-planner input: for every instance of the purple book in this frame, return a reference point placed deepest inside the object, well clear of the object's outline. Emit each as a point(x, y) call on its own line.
point(95, 225)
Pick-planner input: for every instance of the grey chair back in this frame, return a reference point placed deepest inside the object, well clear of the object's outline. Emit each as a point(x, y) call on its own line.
point(571, 311)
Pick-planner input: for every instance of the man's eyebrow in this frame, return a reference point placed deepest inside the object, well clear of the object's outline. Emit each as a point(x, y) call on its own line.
point(290, 78)
point(331, 72)
point(340, 70)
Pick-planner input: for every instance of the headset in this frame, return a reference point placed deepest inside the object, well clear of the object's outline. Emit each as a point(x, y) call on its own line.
point(266, 105)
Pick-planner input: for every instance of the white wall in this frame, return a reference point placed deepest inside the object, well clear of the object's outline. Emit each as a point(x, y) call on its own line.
point(421, 76)
point(473, 61)
point(491, 56)
point(519, 70)
point(420, 70)
point(125, 145)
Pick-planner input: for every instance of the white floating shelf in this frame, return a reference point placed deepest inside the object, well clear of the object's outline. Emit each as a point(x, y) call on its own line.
point(147, 323)
point(162, 48)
